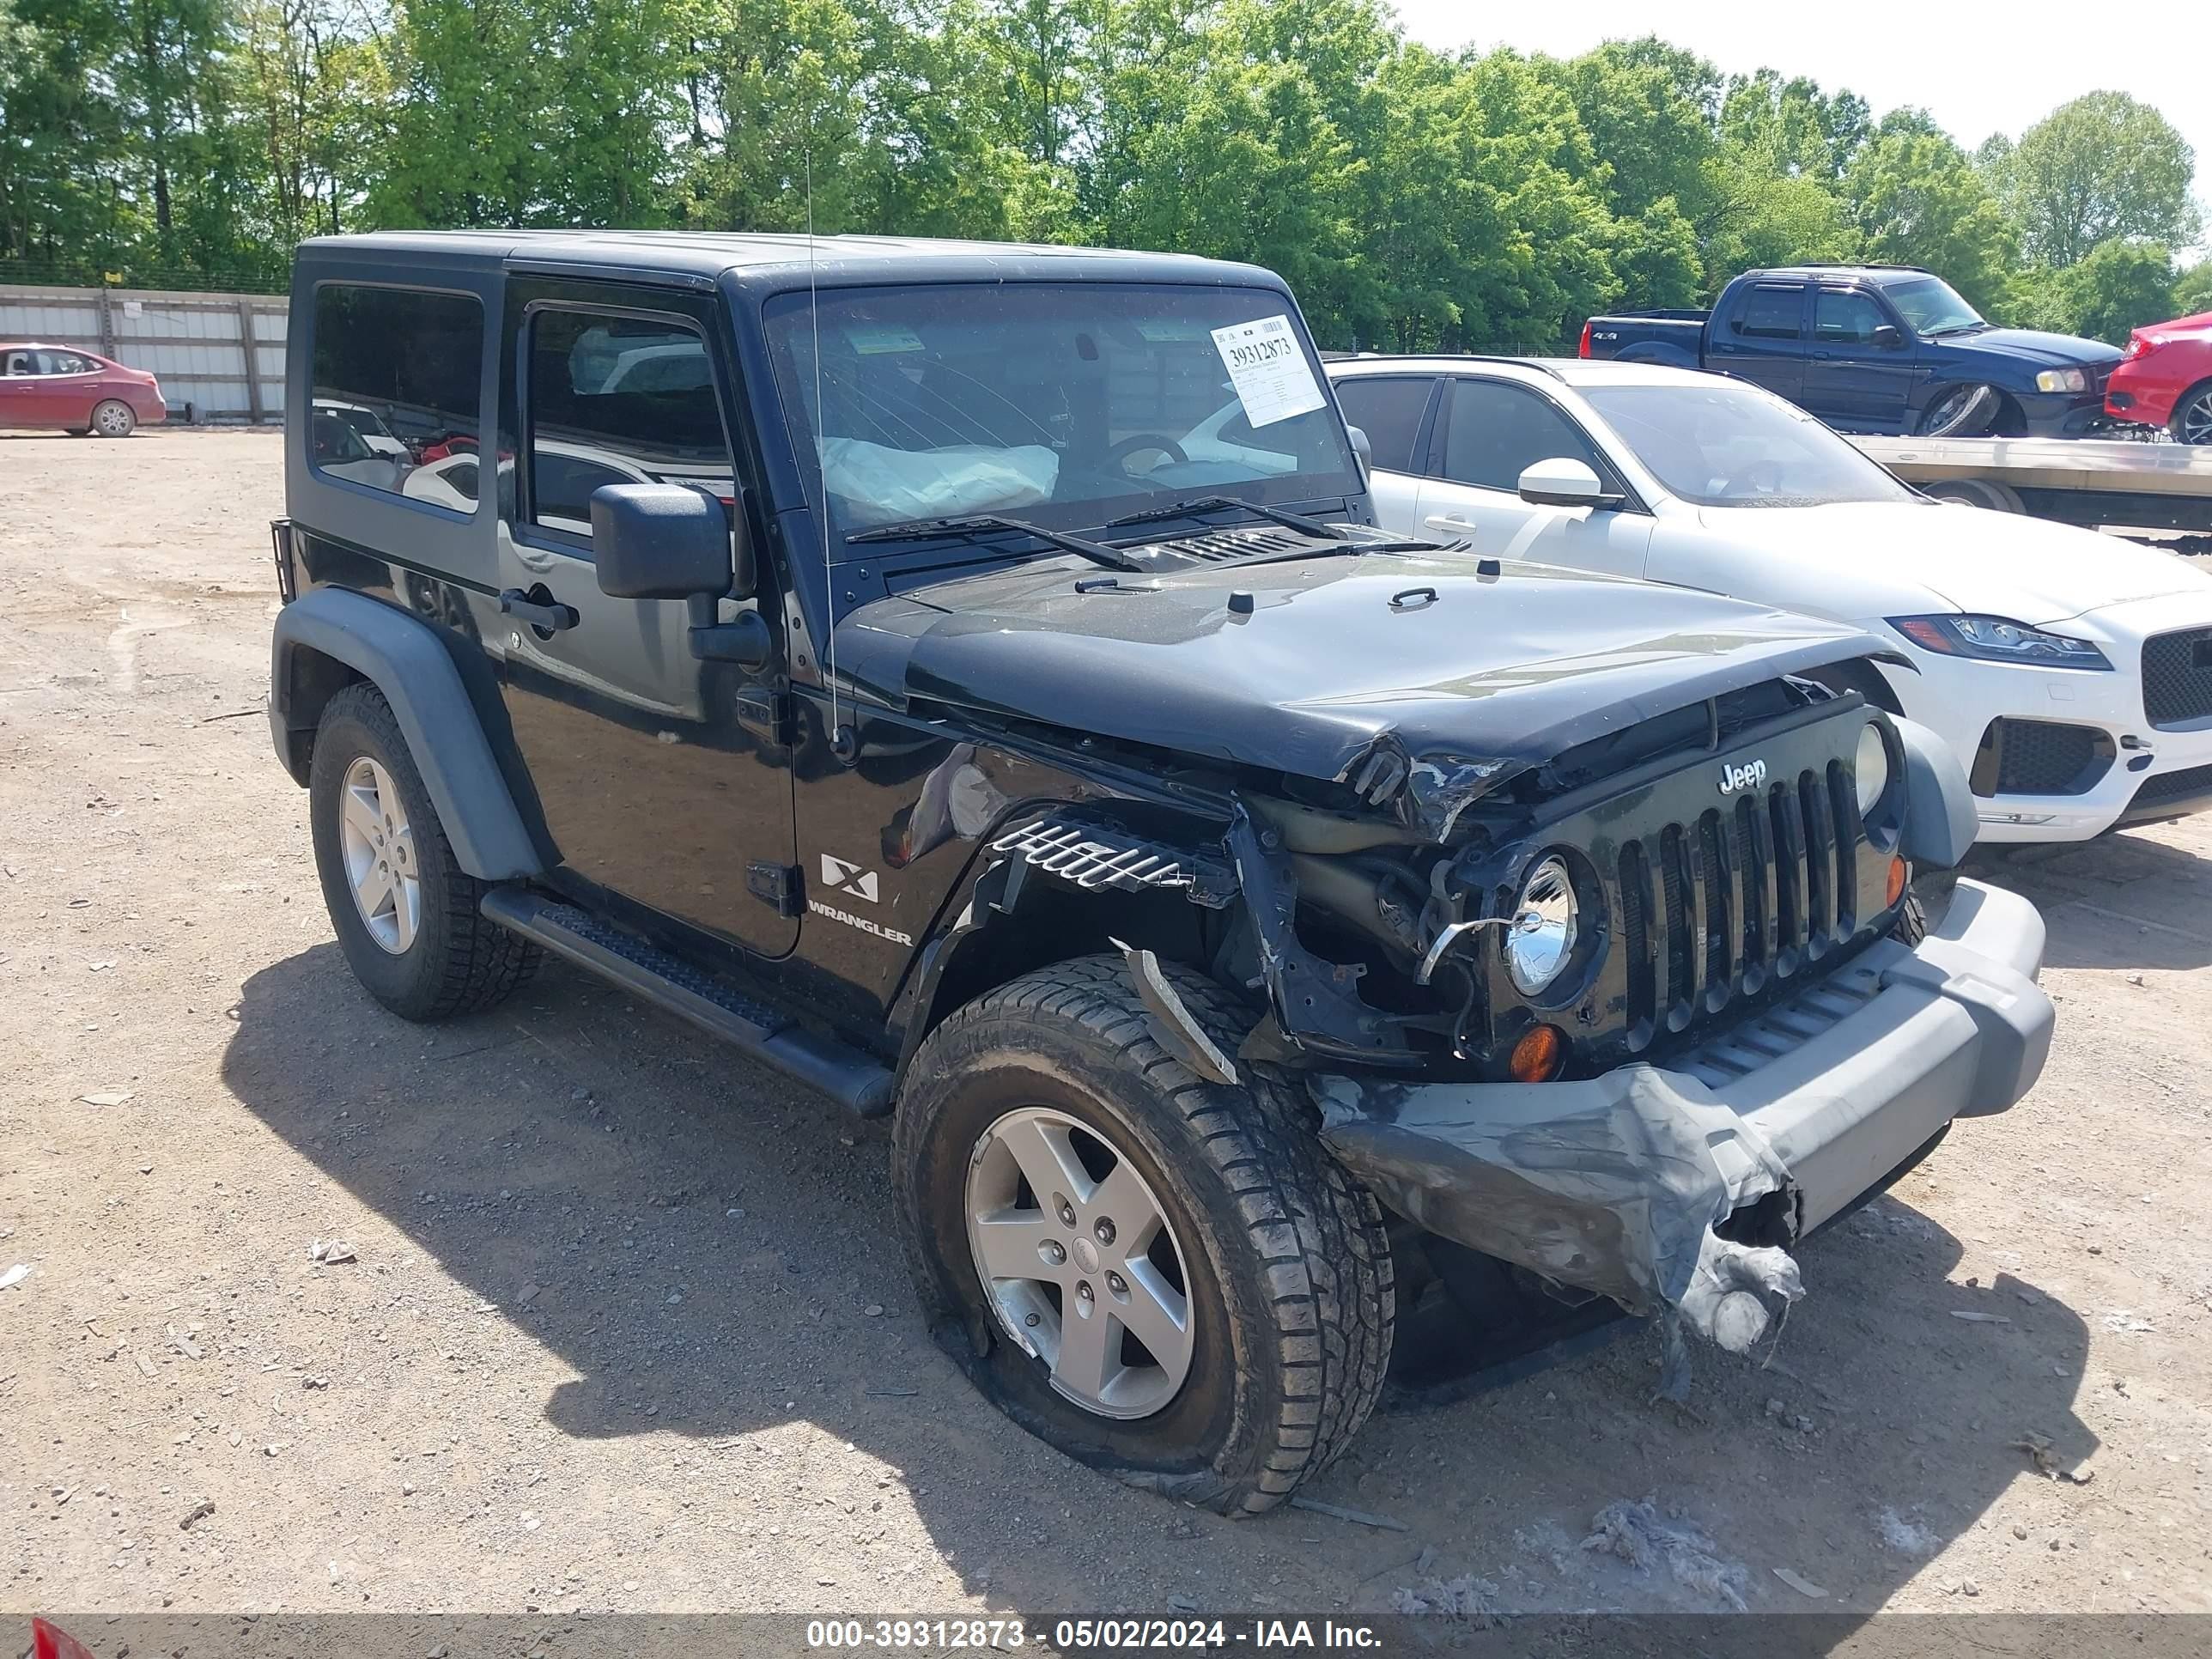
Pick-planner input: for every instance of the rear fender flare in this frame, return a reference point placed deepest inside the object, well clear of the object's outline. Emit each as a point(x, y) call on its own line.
point(404, 659)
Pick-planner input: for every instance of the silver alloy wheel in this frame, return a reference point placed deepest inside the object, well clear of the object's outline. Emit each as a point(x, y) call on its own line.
point(379, 846)
point(113, 420)
point(2194, 420)
point(1074, 1263)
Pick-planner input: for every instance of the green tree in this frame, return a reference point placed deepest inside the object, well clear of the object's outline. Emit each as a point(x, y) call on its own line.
point(1763, 214)
point(1918, 200)
point(2192, 294)
point(1654, 257)
point(2102, 166)
point(2120, 285)
point(64, 148)
point(1803, 130)
point(1651, 112)
point(460, 141)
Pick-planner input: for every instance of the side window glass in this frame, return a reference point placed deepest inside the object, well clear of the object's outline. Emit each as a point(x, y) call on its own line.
point(1496, 432)
point(402, 364)
point(1772, 313)
point(65, 362)
point(1387, 407)
point(19, 362)
point(617, 400)
point(1842, 318)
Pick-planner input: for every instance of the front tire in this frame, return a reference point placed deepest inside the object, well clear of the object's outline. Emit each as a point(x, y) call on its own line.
point(1260, 1270)
point(113, 418)
point(407, 915)
point(1961, 411)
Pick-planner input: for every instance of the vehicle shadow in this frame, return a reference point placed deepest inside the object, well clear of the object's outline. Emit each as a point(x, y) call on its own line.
point(707, 1249)
point(2123, 901)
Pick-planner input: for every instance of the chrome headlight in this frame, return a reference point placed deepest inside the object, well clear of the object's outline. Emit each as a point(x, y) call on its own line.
point(2062, 379)
point(1871, 766)
point(1541, 940)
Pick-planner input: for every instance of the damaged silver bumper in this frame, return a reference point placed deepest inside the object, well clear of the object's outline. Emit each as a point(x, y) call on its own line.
point(1617, 1184)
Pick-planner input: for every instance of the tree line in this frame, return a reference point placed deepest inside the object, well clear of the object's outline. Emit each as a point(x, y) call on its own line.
point(1415, 200)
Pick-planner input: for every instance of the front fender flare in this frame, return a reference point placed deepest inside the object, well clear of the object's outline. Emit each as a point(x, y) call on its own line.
point(404, 659)
point(1940, 819)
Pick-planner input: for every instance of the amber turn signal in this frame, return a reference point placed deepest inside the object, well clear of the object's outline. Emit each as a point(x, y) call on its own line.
point(1896, 880)
point(1539, 1056)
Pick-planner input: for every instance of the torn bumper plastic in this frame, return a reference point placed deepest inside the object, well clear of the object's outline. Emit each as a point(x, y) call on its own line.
point(1616, 1184)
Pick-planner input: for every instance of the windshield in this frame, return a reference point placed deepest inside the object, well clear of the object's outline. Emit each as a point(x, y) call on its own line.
point(1066, 405)
point(1932, 305)
point(1725, 445)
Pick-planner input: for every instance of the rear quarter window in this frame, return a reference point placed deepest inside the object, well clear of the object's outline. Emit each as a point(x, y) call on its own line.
point(413, 358)
point(1771, 313)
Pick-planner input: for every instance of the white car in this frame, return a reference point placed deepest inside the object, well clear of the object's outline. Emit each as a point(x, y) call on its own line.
point(375, 434)
point(567, 474)
point(2072, 672)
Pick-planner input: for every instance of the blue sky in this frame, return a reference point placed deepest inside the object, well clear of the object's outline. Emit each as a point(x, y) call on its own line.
point(1979, 67)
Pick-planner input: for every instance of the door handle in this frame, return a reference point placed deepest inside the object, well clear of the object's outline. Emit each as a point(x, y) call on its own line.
point(1450, 521)
point(552, 617)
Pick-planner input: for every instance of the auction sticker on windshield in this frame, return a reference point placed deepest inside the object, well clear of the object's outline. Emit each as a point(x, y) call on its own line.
point(1268, 368)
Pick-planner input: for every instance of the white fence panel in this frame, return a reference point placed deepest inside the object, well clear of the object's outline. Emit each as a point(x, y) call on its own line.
point(194, 343)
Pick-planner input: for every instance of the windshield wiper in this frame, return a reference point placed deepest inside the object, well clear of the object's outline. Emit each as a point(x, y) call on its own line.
point(1202, 504)
point(1952, 328)
point(929, 529)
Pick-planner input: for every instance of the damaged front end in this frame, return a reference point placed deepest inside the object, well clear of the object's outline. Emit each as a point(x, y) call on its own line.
point(1617, 1186)
point(1730, 891)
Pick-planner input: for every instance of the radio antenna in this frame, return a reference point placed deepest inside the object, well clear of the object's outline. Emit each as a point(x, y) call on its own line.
point(827, 652)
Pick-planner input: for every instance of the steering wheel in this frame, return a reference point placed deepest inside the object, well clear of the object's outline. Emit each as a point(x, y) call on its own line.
point(1761, 477)
point(1138, 442)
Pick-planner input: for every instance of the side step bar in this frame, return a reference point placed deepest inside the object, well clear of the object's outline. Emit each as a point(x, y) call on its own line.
point(861, 1084)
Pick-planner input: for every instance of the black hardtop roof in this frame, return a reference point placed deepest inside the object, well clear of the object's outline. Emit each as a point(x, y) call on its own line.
point(774, 260)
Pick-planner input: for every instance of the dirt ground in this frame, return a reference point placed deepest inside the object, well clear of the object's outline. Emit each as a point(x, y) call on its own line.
point(625, 1325)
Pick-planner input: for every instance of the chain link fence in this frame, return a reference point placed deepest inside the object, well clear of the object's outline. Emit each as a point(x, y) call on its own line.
point(93, 273)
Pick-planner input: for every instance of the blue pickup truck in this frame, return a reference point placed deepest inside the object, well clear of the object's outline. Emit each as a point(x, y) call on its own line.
point(1876, 348)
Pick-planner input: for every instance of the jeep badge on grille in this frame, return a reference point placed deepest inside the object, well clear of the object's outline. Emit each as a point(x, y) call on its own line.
point(1749, 776)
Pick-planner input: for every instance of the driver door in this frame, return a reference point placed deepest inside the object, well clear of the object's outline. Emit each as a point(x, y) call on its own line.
point(663, 778)
point(1490, 432)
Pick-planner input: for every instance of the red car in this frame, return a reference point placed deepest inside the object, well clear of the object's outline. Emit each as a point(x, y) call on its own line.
point(2166, 379)
point(76, 390)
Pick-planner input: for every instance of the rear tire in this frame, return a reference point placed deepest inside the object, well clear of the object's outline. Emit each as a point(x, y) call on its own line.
point(431, 954)
point(113, 418)
point(2191, 423)
point(1961, 411)
point(1287, 1304)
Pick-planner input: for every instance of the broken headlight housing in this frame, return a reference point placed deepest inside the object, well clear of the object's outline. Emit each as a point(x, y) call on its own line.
point(1547, 917)
point(1870, 768)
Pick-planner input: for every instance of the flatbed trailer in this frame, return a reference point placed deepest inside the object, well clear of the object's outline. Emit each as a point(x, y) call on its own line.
point(2156, 491)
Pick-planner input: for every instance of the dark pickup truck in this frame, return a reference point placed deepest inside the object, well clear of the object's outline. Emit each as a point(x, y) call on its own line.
point(1876, 348)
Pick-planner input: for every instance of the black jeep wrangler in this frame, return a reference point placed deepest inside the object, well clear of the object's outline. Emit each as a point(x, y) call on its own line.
point(968, 678)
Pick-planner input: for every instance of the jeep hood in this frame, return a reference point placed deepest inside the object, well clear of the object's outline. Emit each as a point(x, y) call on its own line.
point(1450, 680)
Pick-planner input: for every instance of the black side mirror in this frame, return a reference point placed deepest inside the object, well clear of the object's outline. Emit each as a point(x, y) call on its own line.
point(1361, 447)
point(668, 541)
point(1888, 337)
